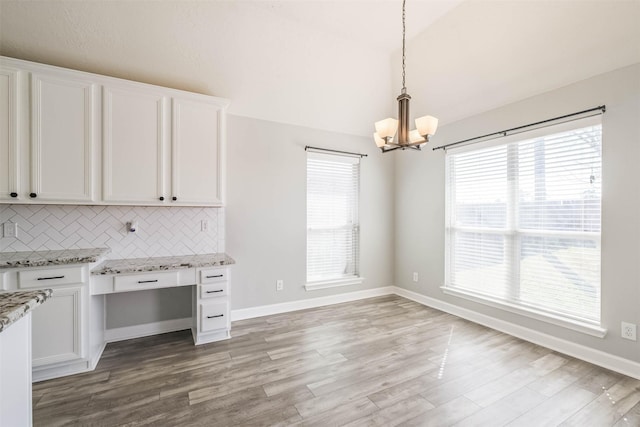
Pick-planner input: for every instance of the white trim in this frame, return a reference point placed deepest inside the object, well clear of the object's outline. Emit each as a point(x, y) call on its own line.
point(555, 319)
point(43, 373)
point(588, 354)
point(93, 362)
point(285, 307)
point(147, 329)
point(333, 283)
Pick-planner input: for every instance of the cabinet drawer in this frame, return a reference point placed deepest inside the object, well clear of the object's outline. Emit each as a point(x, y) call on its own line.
point(213, 275)
point(213, 316)
point(139, 282)
point(46, 278)
point(213, 290)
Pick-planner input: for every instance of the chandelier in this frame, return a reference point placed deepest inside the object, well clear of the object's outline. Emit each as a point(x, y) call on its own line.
point(386, 129)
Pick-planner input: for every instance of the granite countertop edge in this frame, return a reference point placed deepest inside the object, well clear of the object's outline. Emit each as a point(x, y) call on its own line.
point(50, 258)
point(14, 305)
point(139, 265)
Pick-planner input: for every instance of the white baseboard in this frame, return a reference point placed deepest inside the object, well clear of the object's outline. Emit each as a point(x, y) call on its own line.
point(285, 307)
point(147, 329)
point(96, 357)
point(588, 354)
point(43, 373)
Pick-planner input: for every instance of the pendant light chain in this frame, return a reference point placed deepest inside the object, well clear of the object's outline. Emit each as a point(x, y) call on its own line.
point(404, 86)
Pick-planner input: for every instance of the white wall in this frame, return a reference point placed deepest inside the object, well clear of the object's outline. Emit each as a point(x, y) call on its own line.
point(486, 54)
point(264, 56)
point(266, 210)
point(420, 202)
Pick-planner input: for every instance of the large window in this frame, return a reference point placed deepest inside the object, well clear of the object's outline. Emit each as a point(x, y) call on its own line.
point(332, 219)
point(523, 223)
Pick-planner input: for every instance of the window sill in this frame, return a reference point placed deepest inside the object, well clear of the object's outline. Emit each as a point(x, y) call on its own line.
point(575, 325)
point(313, 286)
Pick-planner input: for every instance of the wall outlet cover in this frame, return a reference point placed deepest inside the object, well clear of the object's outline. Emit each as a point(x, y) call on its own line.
point(415, 277)
point(10, 229)
point(279, 285)
point(628, 331)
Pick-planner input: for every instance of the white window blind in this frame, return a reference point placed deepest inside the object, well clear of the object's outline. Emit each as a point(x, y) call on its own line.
point(332, 217)
point(523, 221)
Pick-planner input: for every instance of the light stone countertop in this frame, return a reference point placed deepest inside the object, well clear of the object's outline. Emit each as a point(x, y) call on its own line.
point(133, 265)
point(47, 258)
point(16, 304)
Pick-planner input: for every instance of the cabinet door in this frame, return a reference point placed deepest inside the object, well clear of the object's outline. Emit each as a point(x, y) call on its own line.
point(62, 138)
point(197, 156)
point(57, 328)
point(134, 144)
point(8, 134)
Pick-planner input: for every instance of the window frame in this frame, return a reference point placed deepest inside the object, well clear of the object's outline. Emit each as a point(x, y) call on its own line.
point(331, 282)
point(513, 234)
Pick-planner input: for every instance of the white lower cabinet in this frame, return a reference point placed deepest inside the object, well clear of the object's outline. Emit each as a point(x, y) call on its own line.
point(67, 331)
point(57, 328)
point(212, 320)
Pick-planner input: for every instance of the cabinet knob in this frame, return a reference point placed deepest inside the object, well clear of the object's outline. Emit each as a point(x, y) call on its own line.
point(161, 198)
point(14, 194)
point(33, 195)
point(174, 198)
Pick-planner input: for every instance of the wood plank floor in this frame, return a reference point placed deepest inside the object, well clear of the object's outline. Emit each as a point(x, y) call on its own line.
point(378, 362)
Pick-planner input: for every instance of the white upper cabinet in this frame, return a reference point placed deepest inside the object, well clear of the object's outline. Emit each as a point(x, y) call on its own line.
point(8, 134)
point(62, 138)
point(77, 138)
point(197, 157)
point(134, 140)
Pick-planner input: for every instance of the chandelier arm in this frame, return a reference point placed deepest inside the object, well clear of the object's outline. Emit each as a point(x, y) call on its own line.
point(386, 149)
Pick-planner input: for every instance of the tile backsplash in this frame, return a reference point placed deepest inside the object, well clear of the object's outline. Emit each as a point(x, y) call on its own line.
point(162, 231)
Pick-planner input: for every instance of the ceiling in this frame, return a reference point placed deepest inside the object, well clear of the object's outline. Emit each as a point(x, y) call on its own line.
point(332, 65)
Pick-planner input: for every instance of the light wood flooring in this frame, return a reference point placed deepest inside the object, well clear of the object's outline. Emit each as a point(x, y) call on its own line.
point(378, 362)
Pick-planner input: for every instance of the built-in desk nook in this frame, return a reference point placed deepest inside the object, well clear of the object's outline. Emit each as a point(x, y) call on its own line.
point(69, 331)
point(208, 274)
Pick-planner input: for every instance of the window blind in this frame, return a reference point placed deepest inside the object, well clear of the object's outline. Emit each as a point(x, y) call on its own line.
point(523, 221)
point(332, 217)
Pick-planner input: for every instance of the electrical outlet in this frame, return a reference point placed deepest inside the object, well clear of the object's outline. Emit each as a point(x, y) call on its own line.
point(415, 277)
point(10, 229)
point(204, 225)
point(628, 331)
point(279, 285)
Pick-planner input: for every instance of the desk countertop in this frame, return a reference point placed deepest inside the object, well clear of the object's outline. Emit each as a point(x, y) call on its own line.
point(134, 265)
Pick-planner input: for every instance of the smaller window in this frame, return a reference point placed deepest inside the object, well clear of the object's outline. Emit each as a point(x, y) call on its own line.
point(333, 183)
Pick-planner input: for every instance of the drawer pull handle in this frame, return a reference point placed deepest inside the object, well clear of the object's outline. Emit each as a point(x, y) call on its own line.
point(217, 290)
point(50, 278)
point(217, 315)
point(214, 277)
point(148, 281)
